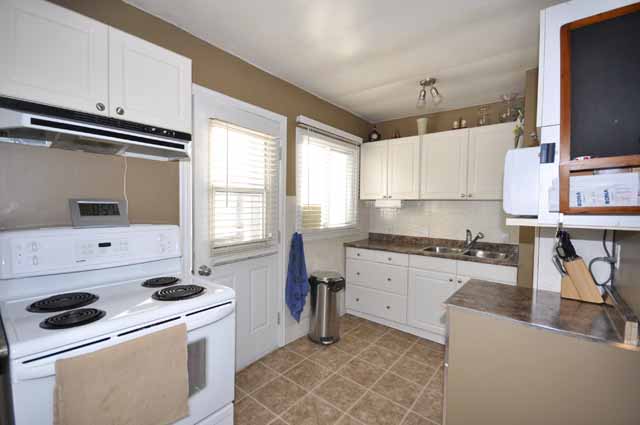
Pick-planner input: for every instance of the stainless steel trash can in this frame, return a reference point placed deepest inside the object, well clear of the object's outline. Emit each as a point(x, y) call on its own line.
point(325, 323)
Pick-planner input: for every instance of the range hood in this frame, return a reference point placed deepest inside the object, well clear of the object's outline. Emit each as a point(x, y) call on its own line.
point(50, 127)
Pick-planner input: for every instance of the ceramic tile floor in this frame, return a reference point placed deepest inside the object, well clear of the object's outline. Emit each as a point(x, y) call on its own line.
point(374, 375)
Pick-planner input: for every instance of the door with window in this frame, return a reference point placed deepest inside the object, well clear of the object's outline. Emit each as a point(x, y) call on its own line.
point(238, 214)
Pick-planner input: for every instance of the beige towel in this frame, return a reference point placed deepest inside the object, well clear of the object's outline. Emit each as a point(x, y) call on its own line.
point(143, 381)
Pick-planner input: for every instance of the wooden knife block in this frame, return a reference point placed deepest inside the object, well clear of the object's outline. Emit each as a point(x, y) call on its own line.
point(578, 284)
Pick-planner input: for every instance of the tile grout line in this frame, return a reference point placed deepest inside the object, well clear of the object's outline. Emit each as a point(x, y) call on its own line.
point(367, 390)
point(410, 410)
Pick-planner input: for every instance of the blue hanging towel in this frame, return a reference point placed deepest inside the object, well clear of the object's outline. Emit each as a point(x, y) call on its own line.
point(297, 279)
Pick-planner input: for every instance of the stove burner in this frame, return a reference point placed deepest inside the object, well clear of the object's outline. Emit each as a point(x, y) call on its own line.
point(158, 282)
point(73, 318)
point(179, 292)
point(62, 302)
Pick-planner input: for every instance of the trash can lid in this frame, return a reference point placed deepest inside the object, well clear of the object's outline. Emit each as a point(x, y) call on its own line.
point(327, 276)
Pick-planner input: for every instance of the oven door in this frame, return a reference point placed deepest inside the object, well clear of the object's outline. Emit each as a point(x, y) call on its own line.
point(211, 366)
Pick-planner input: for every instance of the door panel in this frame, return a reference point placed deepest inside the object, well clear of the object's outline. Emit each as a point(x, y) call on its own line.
point(427, 293)
point(255, 284)
point(444, 165)
point(373, 170)
point(148, 84)
point(54, 56)
point(404, 168)
point(488, 147)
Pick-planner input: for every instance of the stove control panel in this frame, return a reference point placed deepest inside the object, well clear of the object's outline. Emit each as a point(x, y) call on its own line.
point(60, 250)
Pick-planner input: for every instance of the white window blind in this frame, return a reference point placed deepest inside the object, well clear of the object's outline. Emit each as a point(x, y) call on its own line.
point(327, 182)
point(243, 180)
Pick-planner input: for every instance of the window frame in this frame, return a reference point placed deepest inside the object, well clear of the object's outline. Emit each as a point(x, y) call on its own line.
point(304, 127)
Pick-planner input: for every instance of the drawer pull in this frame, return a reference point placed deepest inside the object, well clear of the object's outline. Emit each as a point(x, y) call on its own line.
point(459, 281)
point(450, 279)
point(358, 254)
point(357, 299)
point(357, 273)
point(388, 307)
point(389, 258)
point(388, 279)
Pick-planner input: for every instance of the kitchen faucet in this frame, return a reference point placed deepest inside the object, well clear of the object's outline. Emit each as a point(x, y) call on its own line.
point(470, 240)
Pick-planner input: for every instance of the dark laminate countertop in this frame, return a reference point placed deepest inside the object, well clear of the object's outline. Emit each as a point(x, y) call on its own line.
point(541, 309)
point(415, 245)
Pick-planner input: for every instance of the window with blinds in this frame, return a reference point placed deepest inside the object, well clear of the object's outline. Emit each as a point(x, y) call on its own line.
point(243, 181)
point(327, 182)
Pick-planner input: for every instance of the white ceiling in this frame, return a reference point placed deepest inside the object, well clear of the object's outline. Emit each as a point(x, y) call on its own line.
point(367, 56)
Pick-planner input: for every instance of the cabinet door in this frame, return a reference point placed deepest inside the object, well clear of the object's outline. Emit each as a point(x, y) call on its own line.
point(53, 56)
point(487, 148)
point(443, 163)
point(404, 168)
point(426, 295)
point(373, 170)
point(148, 84)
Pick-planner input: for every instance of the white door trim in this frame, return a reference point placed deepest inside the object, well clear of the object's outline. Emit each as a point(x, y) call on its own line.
point(186, 197)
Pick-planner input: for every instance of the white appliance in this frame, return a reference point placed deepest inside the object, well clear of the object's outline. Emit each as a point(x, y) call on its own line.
point(520, 187)
point(106, 268)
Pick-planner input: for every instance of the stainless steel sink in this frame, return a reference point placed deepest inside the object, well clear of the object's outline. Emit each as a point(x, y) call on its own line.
point(443, 250)
point(485, 254)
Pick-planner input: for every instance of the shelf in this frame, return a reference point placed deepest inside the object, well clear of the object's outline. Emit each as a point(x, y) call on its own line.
point(581, 222)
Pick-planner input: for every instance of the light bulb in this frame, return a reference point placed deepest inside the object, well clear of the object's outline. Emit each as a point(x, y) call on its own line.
point(422, 99)
point(435, 95)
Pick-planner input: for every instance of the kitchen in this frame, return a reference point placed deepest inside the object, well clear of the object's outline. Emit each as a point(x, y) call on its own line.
point(409, 191)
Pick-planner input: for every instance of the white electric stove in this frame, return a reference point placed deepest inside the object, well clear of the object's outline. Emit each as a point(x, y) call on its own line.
point(66, 292)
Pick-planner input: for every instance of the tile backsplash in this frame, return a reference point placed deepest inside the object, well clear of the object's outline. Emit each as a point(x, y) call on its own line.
point(444, 219)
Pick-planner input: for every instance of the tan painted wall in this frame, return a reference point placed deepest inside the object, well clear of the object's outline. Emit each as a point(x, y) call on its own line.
point(59, 174)
point(504, 373)
point(440, 121)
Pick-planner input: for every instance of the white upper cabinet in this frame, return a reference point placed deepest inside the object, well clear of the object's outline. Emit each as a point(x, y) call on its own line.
point(373, 170)
point(148, 84)
point(444, 165)
point(404, 168)
point(53, 56)
point(551, 19)
point(488, 147)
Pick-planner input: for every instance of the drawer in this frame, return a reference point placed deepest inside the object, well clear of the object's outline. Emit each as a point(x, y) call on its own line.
point(378, 276)
point(442, 265)
point(385, 257)
point(376, 303)
point(491, 272)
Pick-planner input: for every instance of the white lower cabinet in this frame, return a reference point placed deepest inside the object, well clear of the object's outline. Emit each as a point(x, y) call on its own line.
point(429, 290)
point(408, 291)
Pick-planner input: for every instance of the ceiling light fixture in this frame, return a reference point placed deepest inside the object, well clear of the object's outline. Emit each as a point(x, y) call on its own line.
point(436, 97)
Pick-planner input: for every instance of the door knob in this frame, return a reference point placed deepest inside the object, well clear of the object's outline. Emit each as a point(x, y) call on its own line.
point(204, 270)
point(120, 110)
point(100, 106)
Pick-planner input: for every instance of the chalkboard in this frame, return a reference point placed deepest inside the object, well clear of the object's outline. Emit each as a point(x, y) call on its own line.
point(605, 88)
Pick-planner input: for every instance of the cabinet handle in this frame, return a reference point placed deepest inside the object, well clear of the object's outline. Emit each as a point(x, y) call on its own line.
point(120, 110)
point(358, 254)
point(388, 279)
point(357, 273)
point(357, 299)
point(459, 281)
point(389, 258)
point(469, 195)
point(450, 279)
point(388, 307)
point(100, 106)
point(462, 195)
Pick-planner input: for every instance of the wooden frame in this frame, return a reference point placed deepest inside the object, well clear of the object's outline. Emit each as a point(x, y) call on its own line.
point(567, 166)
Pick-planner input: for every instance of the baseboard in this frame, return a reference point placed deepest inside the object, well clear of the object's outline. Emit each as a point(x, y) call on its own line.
point(440, 338)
